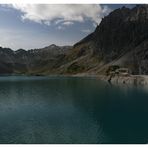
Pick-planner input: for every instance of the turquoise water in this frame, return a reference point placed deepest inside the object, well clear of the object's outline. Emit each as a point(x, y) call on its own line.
point(71, 110)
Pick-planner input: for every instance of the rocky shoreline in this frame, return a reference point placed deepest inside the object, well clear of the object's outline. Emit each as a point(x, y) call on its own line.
point(117, 79)
point(131, 79)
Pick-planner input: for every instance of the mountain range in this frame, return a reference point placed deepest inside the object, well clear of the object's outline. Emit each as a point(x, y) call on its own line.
point(120, 39)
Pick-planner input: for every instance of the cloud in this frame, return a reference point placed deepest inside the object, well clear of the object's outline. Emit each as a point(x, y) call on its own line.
point(47, 23)
point(60, 28)
point(58, 21)
point(95, 25)
point(68, 23)
point(65, 13)
point(86, 30)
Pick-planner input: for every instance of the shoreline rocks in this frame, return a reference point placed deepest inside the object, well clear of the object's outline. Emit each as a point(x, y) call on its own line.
point(131, 79)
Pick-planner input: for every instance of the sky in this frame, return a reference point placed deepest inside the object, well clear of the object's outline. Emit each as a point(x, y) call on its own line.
point(30, 26)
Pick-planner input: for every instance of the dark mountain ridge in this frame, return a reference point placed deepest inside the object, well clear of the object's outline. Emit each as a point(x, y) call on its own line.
point(32, 61)
point(120, 39)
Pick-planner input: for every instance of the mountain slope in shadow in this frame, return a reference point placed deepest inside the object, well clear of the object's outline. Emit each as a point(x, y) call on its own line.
point(120, 39)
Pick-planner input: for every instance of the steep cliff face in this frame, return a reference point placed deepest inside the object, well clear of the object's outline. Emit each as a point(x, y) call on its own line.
point(121, 38)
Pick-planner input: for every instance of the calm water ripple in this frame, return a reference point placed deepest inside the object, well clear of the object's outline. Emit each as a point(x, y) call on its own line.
point(71, 110)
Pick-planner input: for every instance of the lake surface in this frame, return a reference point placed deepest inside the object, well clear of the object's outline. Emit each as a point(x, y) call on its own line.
point(71, 110)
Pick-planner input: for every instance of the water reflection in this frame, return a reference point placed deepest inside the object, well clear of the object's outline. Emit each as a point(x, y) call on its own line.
point(71, 110)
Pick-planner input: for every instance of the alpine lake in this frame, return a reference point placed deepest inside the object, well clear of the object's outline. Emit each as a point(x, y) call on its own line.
point(71, 110)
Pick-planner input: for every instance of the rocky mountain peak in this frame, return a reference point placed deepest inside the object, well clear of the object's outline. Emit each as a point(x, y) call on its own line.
point(139, 13)
point(121, 29)
point(123, 32)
